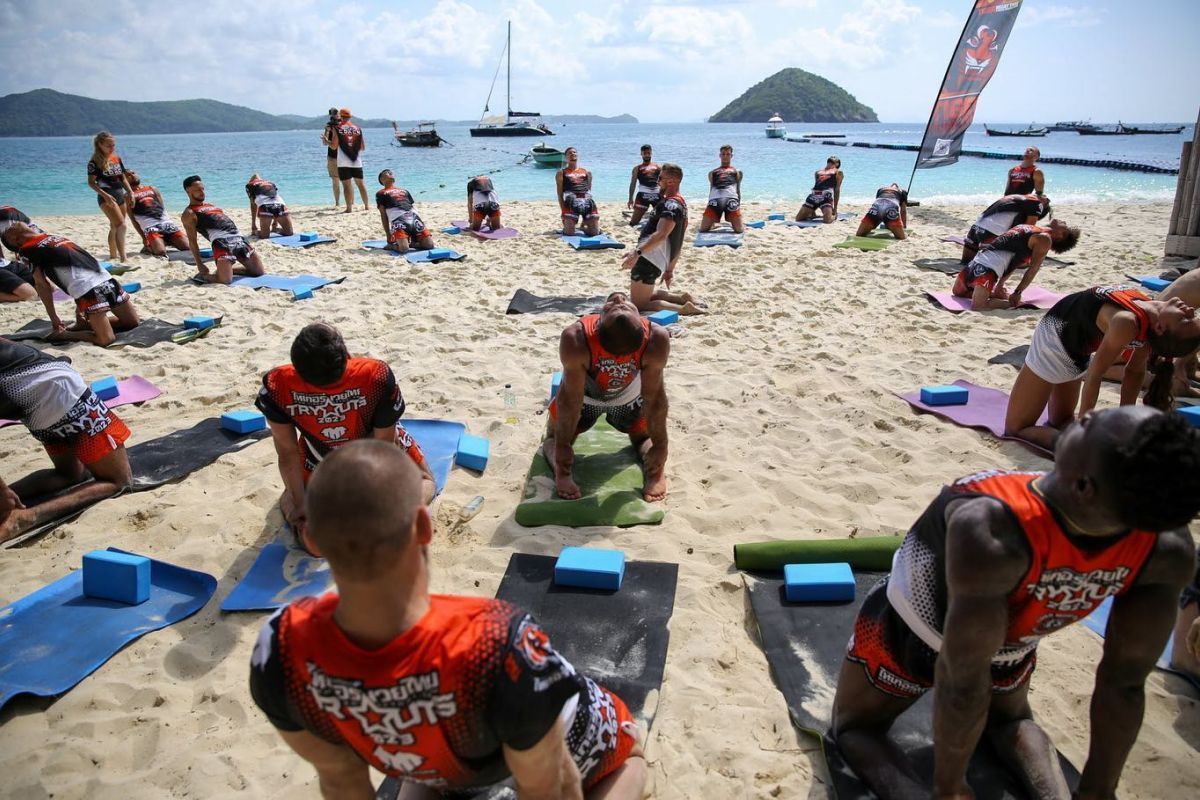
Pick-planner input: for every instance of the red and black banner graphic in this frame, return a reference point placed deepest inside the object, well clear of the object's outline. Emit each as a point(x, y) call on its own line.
point(975, 59)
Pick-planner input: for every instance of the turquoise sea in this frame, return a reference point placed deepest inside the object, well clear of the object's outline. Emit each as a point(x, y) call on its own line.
point(44, 176)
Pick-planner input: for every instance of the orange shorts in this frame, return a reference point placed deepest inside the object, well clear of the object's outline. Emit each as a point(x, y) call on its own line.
point(616, 749)
point(91, 446)
point(969, 277)
point(480, 216)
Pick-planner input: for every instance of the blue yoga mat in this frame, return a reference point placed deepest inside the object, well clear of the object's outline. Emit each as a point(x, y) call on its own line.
point(601, 241)
point(1097, 621)
point(54, 638)
point(815, 223)
point(283, 573)
point(284, 282)
point(294, 241)
point(433, 256)
point(714, 238)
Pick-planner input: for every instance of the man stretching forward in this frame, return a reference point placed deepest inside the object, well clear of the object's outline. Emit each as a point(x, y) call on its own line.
point(724, 194)
point(1023, 247)
point(482, 203)
point(267, 209)
point(889, 209)
point(449, 694)
point(613, 364)
point(1002, 216)
point(229, 246)
point(659, 246)
point(997, 562)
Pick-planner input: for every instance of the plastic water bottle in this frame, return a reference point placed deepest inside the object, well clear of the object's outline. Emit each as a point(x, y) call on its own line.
point(468, 511)
point(510, 405)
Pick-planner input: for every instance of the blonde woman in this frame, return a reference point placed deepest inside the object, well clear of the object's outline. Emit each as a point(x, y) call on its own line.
point(106, 176)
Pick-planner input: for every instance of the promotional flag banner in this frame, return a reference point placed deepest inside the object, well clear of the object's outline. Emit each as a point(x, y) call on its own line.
point(975, 59)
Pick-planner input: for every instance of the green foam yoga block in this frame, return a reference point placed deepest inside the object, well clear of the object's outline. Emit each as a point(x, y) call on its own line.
point(866, 553)
point(608, 474)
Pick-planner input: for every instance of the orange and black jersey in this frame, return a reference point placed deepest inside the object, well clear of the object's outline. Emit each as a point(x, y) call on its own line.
point(576, 181)
point(349, 139)
point(647, 176)
point(899, 195)
point(480, 183)
point(1020, 179)
point(1067, 577)
point(826, 180)
point(366, 397)
point(212, 222)
point(146, 203)
point(723, 179)
point(108, 178)
point(1016, 241)
point(9, 215)
point(608, 374)
point(1023, 205)
point(438, 703)
point(262, 188)
point(1074, 320)
point(672, 207)
point(394, 197)
point(67, 265)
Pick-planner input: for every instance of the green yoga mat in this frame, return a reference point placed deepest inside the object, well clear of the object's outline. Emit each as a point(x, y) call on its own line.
point(876, 240)
point(868, 553)
point(608, 473)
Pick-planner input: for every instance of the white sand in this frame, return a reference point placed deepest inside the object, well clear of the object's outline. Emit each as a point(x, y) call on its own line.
point(783, 423)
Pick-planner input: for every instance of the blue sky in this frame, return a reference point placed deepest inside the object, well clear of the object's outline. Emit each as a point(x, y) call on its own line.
point(661, 60)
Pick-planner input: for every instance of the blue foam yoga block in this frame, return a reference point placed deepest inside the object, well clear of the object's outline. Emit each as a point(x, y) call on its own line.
point(453, 230)
point(806, 583)
point(106, 388)
point(441, 252)
point(590, 568)
point(309, 237)
point(760, 224)
point(555, 384)
point(302, 293)
point(776, 216)
point(122, 577)
point(1154, 284)
point(199, 322)
point(243, 421)
point(472, 452)
point(132, 286)
point(1191, 414)
point(663, 317)
point(944, 395)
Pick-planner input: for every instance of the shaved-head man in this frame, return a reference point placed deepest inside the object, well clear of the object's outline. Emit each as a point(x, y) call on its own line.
point(449, 694)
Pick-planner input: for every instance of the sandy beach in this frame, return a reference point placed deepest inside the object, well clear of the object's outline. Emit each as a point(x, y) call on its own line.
point(784, 424)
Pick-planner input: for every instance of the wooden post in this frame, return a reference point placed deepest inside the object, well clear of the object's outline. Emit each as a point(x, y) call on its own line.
point(1179, 211)
point(1183, 235)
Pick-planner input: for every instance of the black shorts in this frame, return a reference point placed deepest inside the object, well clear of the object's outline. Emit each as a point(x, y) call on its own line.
point(272, 210)
point(645, 271)
point(346, 173)
point(117, 194)
point(102, 299)
point(231, 248)
point(644, 199)
point(819, 199)
point(14, 275)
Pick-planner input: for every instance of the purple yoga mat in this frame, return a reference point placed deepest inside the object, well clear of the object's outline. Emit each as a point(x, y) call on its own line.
point(131, 390)
point(985, 409)
point(485, 232)
point(1034, 297)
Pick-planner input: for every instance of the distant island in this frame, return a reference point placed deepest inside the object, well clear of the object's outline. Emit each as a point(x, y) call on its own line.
point(797, 96)
point(45, 112)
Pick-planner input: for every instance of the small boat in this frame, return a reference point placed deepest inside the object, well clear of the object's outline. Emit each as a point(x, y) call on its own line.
point(424, 135)
point(775, 129)
point(1027, 132)
point(506, 126)
point(1129, 130)
point(1062, 127)
point(545, 156)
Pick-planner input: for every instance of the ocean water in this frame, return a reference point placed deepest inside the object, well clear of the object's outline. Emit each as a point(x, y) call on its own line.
point(44, 176)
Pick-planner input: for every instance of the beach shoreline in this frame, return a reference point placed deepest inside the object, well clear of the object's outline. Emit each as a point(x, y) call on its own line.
point(784, 423)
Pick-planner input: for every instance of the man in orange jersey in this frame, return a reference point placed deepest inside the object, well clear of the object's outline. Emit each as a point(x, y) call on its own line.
point(449, 694)
point(613, 365)
point(323, 400)
point(997, 562)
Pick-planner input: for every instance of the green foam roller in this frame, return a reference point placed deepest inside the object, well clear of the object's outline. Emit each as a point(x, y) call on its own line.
point(868, 553)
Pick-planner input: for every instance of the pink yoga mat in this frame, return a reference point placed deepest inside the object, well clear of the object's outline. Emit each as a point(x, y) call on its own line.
point(985, 409)
point(1034, 297)
point(131, 390)
point(485, 232)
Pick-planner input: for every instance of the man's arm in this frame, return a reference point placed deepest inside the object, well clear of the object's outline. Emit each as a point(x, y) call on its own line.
point(129, 215)
point(904, 213)
point(661, 232)
point(1138, 627)
point(545, 771)
point(46, 292)
point(341, 773)
point(1122, 329)
point(1038, 247)
point(1039, 182)
point(569, 401)
point(9, 501)
point(383, 220)
point(558, 183)
point(837, 191)
point(291, 469)
point(632, 184)
point(738, 185)
point(188, 220)
point(984, 560)
point(254, 215)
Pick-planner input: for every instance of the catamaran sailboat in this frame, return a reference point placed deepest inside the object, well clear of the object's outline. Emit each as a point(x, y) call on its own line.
point(514, 123)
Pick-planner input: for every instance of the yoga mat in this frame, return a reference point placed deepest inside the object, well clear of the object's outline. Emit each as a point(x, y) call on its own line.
point(283, 572)
point(947, 266)
point(186, 255)
point(601, 241)
point(1033, 297)
point(294, 241)
point(54, 638)
point(147, 334)
point(805, 644)
point(1054, 262)
point(130, 390)
point(865, 552)
point(166, 459)
point(608, 474)
point(985, 409)
point(283, 282)
point(715, 238)
point(1097, 622)
point(1014, 357)
point(432, 256)
point(814, 223)
point(525, 303)
point(484, 231)
point(866, 242)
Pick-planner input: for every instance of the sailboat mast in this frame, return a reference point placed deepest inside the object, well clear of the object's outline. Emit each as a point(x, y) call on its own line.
point(508, 76)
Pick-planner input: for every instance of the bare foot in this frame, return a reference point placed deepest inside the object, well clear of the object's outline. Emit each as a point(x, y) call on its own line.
point(564, 485)
point(690, 308)
point(655, 488)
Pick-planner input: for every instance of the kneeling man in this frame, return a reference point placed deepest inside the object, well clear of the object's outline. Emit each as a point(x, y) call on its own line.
point(613, 365)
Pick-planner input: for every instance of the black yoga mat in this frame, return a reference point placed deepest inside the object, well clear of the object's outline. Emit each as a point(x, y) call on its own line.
point(619, 639)
point(1014, 357)
point(525, 303)
point(150, 332)
point(949, 266)
point(805, 644)
point(167, 459)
